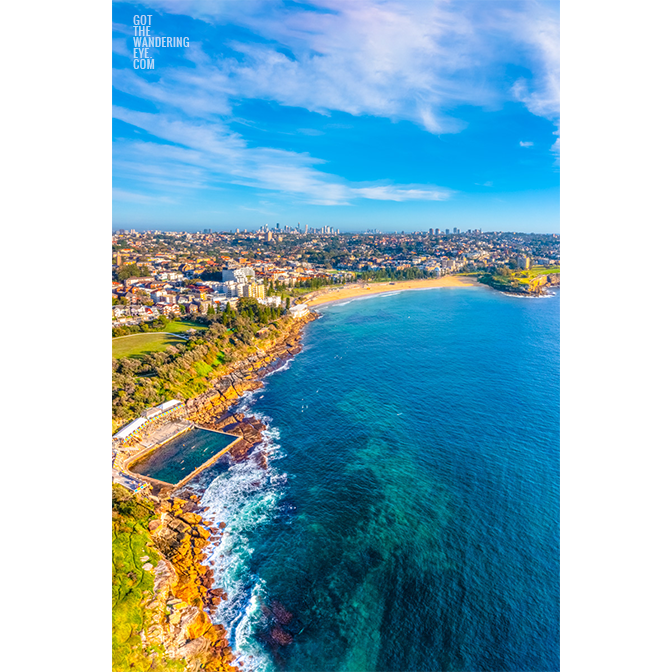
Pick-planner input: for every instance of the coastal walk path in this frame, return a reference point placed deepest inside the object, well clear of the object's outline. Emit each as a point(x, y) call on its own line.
point(142, 333)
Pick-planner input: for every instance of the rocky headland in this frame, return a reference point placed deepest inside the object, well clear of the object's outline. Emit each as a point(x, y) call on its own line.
point(175, 615)
point(536, 286)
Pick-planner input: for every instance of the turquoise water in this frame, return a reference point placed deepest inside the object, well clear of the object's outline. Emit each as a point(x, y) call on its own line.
point(408, 519)
point(177, 458)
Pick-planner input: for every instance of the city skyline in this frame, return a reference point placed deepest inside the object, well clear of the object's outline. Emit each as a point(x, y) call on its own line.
point(367, 115)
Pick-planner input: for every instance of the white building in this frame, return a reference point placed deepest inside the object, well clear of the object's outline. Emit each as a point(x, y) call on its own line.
point(299, 310)
point(275, 301)
point(238, 275)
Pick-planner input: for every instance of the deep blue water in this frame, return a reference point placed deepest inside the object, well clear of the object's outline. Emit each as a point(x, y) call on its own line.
point(409, 517)
point(177, 458)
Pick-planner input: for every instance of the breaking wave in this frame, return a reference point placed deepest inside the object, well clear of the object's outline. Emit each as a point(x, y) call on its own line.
point(245, 498)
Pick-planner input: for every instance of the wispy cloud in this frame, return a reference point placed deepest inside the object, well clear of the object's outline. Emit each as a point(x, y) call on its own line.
point(208, 154)
point(541, 94)
point(403, 193)
point(526, 144)
point(144, 199)
point(555, 148)
point(413, 60)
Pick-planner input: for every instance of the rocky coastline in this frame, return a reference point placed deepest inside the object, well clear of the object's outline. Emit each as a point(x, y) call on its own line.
point(537, 287)
point(184, 597)
point(209, 409)
point(178, 613)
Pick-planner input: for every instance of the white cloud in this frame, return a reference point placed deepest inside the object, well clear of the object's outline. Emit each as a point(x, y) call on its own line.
point(402, 193)
point(539, 37)
point(526, 144)
point(207, 154)
point(414, 60)
point(144, 199)
point(555, 149)
point(309, 131)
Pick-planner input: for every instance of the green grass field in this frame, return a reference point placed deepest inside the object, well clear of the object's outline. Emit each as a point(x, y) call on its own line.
point(524, 277)
point(175, 327)
point(133, 587)
point(137, 345)
point(142, 344)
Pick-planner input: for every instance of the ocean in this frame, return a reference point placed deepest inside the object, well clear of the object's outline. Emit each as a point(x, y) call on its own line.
point(408, 518)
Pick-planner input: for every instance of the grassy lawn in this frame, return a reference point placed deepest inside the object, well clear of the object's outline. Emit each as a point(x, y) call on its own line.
point(132, 587)
point(142, 344)
point(175, 327)
point(524, 277)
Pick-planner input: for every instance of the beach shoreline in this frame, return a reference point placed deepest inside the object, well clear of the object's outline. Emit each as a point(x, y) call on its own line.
point(360, 289)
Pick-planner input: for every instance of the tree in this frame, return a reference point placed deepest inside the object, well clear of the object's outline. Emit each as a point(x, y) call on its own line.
point(287, 302)
point(132, 271)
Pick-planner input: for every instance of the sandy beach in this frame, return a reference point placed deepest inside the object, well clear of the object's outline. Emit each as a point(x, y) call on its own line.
point(359, 289)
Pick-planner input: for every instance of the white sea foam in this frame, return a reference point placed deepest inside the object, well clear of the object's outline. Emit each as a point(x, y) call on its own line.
point(245, 498)
point(377, 295)
point(528, 296)
point(250, 655)
point(283, 367)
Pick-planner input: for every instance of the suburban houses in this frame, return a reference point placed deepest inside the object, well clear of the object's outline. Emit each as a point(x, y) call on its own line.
point(173, 273)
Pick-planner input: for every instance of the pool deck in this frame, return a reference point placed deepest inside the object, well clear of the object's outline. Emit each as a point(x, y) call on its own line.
point(161, 437)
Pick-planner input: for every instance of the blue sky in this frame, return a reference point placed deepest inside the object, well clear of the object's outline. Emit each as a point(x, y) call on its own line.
point(357, 114)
